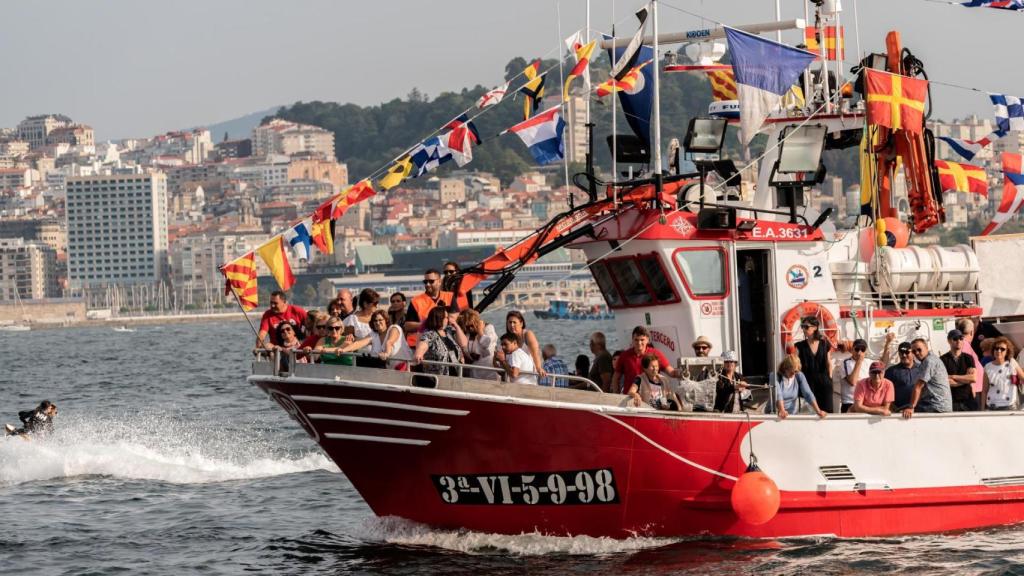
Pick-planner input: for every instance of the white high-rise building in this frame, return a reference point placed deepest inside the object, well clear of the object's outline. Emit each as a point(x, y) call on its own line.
point(117, 229)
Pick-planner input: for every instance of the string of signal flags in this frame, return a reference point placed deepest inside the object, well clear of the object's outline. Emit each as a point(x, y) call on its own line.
point(541, 131)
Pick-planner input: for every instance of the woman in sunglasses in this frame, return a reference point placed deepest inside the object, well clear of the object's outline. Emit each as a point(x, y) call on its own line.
point(289, 341)
point(1002, 377)
point(815, 354)
point(331, 346)
point(386, 342)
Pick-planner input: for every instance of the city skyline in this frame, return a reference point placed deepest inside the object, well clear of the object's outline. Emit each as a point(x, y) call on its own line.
point(219, 71)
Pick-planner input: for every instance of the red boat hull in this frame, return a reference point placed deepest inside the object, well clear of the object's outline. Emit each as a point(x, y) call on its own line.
point(453, 460)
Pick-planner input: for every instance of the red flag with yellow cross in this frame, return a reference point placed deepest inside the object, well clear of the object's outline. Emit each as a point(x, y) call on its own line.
point(895, 101)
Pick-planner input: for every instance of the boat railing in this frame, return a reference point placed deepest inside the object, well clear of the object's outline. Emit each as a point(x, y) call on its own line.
point(283, 366)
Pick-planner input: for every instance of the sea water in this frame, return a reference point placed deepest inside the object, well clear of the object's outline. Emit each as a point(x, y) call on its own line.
point(165, 461)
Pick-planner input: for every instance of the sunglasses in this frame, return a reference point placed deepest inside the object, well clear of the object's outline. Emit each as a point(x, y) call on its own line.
point(450, 272)
point(1000, 349)
point(428, 282)
point(701, 347)
point(334, 328)
point(904, 352)
point(859, 349)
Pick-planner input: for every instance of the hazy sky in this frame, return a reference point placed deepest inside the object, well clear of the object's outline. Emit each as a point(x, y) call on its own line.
point(139, 67)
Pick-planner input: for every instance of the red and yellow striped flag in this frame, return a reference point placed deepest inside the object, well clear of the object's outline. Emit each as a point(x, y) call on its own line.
point(835, 41)
point(240, 276)
point(957, 177)
point(723, 85)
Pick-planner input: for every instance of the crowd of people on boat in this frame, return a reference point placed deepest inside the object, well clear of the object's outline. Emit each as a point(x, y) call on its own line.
point(435, 332)
point(438, 332)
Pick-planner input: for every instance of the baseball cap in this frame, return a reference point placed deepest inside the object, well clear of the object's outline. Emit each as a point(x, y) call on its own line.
point(904, 347)
point(860, 343)
point(876, 367)
point(955, 334)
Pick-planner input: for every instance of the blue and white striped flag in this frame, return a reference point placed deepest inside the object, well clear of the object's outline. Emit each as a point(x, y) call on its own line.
point(1009, 112)
point(968, 149)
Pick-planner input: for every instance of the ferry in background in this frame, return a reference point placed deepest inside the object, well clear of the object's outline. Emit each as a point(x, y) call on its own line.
point(566, 310)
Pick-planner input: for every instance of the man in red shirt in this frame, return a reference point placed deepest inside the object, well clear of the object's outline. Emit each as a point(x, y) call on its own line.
point(280, 311)
point(628, 365)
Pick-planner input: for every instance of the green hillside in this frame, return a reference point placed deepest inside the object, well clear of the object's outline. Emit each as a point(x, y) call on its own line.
point(366, 138)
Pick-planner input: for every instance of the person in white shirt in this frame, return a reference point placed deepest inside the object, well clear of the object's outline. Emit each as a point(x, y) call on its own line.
point(517, 364)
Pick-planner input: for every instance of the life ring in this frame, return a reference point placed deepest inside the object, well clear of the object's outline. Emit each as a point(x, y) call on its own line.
point(790, 319)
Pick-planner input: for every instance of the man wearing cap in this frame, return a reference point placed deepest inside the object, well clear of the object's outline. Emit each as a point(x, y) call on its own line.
point(960, 367)
point(855, 369)
point(901, 374)
point(874, 394)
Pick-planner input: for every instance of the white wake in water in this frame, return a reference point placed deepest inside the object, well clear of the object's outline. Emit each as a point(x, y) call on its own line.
point(404, 533)
point(154, 447)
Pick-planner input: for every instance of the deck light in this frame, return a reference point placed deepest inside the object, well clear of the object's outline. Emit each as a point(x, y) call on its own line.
point(703, 143)
point(705, 136)
point(798, 165)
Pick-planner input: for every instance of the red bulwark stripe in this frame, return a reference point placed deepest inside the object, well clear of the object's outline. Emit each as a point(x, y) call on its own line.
point(844, 312)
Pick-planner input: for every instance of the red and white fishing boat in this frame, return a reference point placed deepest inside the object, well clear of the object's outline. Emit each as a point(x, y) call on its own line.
point(508, 458)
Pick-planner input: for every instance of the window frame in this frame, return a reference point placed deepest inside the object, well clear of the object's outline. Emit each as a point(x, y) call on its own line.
point(636, 258)
point(726, 277)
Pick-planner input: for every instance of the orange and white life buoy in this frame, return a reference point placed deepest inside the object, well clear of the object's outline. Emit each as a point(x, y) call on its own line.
point(829, 328)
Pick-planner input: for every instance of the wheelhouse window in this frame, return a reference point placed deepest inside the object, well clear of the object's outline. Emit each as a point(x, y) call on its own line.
point(703, 271)
point(634, 281)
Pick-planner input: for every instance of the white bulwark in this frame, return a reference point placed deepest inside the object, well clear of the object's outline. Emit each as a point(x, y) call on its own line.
point(117, 229)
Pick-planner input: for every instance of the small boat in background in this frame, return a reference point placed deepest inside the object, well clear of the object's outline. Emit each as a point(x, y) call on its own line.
point(124, 328)
point(14, 328)
point(565, 310)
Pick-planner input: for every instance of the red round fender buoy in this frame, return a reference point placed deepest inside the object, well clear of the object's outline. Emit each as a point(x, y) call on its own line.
point(755, 497)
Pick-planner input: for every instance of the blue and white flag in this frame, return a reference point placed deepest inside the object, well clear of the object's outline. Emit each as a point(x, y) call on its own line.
point(300, 238)
point(428, 155)
point(1009, 113)
point(968, 149)
point(764, 70)
point(543, 135)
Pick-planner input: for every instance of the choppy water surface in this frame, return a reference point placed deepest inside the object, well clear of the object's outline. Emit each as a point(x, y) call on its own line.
point(165, 461)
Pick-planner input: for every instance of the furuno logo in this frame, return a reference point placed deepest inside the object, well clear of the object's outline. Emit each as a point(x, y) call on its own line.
point(698, 33)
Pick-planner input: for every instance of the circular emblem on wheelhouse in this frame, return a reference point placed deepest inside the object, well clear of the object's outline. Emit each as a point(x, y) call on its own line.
point(797, 277)
point(293, 410)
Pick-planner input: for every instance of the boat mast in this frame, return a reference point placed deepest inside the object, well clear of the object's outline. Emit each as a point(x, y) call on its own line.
point(615, 136)
point(656, 135)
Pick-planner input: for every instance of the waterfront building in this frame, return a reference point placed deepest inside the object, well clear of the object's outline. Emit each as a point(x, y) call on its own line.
point(117, 229)
point(28, 270)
